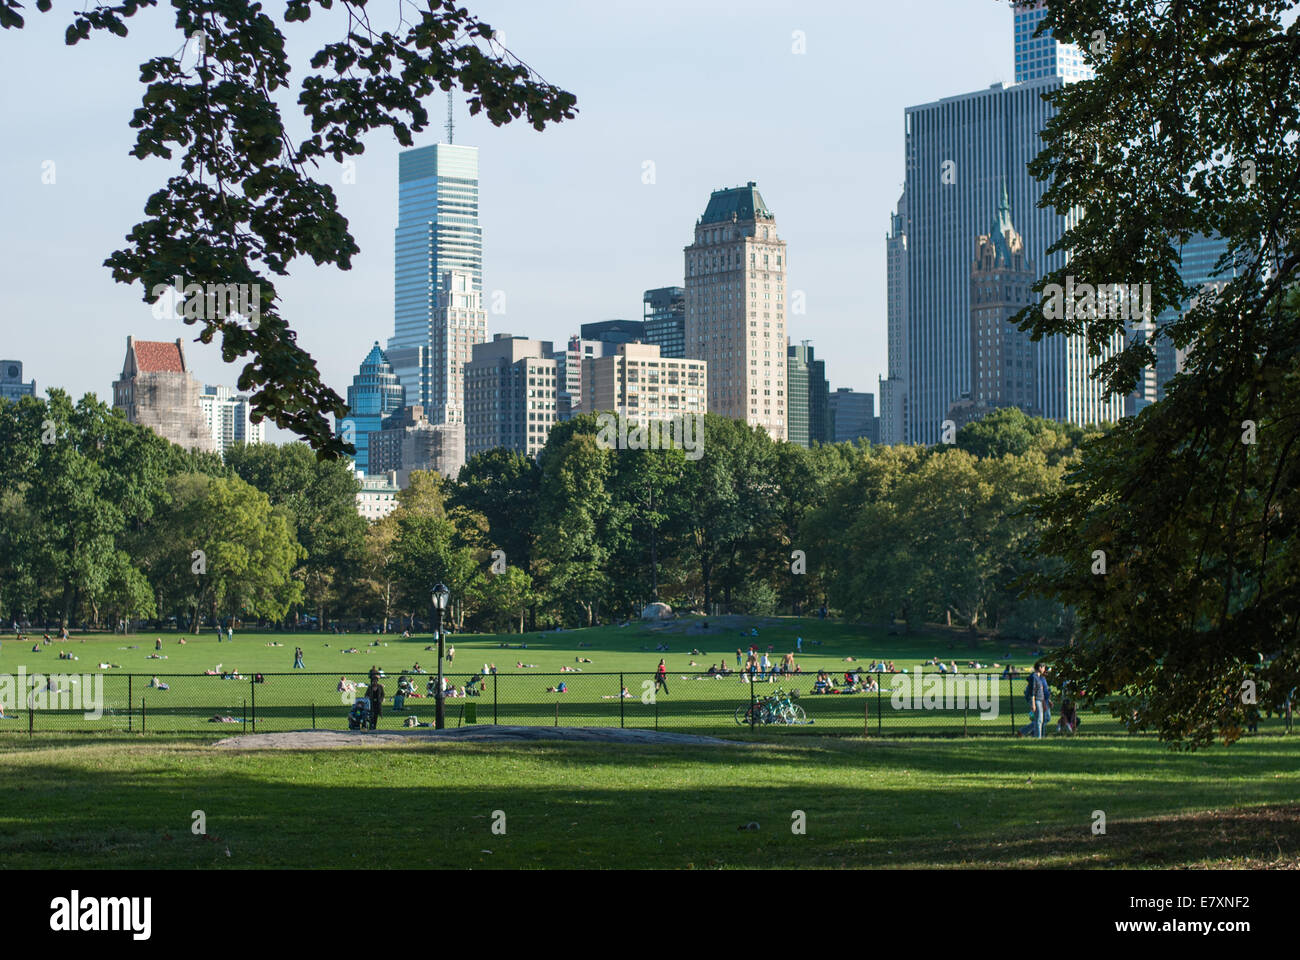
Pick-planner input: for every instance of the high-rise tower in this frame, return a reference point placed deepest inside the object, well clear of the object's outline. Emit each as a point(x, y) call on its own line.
point(438, 237)
point(735, 308)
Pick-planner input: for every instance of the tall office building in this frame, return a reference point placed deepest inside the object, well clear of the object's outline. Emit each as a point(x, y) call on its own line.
point(665, 320)
point(375, 393)
point(642, 385)
point(11, 381)
point(1003, 363)
point(853, 416)
point(735, 308)
point(435, 369)
point(959, 151)
point(157, 390)
point(893, 388)
point(808, 409)
point(228, 415)
point(438, 241)
point(510, 395)
point(1039, 57)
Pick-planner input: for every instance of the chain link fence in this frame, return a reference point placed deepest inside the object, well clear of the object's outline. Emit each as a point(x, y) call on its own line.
point(884, 705)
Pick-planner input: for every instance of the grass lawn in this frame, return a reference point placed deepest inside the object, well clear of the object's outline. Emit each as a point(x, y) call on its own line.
point(619, 656)
point(116, 802)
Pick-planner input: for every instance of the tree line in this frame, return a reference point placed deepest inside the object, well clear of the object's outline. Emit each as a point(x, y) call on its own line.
point(103, 522)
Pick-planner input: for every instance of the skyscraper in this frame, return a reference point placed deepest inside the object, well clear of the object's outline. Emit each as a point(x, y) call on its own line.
point(375, 393)
point(1039, 57)
point(959, 151)
point(665, 320)
point(568, 370)
point(438, 238)
point(735, 308)
point(893, 389)
point(808, 411)
point(1003, 362)
point(1200, 256)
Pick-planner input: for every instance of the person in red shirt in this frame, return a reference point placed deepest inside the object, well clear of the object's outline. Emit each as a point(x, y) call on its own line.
point(661, 677)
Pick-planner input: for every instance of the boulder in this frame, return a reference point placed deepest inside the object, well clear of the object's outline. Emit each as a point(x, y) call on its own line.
point(657, 611)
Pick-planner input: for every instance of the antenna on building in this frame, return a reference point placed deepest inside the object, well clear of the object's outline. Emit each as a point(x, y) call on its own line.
point(451, 125)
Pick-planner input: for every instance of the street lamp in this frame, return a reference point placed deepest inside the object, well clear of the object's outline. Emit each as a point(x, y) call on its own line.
point(440, 596)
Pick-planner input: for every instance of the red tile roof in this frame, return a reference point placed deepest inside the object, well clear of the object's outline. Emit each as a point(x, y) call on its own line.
point(152, 356)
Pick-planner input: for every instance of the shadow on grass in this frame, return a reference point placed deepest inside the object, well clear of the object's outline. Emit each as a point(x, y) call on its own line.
point(921, 804)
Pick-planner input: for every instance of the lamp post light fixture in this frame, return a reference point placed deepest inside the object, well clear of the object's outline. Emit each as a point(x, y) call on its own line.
point(440, 597)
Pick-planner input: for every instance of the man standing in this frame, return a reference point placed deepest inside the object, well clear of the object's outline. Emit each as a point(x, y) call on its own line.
point(1039, 696)
point(375, 694)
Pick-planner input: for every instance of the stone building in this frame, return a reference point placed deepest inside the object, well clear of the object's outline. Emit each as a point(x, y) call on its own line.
point(156, 390)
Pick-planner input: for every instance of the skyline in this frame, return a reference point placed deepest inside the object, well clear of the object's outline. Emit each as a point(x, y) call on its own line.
point(577, 273)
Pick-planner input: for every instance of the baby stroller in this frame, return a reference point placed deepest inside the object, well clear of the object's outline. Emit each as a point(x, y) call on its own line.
point(359, 715)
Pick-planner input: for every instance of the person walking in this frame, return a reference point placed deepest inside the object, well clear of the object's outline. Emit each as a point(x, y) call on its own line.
point(1039, 696)
point(230, 633)
point(375, 694)
point(798, 644)
point(297, 659)
point(738, 658)
point(661, 676)
point(451, 653)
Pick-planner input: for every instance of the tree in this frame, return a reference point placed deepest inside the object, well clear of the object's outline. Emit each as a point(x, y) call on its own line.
point(244, 204)
point(1191, 509)
point(222, 550)
point(319, 498)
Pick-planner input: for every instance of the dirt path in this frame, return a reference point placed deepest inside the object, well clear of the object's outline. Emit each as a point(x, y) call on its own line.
point(478, 733)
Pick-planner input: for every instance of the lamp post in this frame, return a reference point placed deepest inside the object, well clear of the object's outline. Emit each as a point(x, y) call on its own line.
point(440, 597)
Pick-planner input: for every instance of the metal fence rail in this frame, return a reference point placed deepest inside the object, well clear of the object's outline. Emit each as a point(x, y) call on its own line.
point(902, 705)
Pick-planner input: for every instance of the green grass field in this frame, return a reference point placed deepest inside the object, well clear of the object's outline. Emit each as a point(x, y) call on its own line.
point(114, 798)
point(620, 656)
point(120, 803)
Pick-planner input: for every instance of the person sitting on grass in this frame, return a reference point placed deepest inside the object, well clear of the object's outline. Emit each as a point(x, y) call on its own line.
point(560, 688)
point(525, 666)
point(822, 684)
point(1069, 721)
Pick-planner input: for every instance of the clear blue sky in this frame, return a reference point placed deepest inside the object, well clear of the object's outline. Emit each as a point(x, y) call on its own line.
point(709, 90)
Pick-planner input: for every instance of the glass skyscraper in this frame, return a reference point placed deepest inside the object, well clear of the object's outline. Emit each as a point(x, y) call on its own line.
point(959, 152)
point(374, 394)
point(438, 234)
point(1038, 57)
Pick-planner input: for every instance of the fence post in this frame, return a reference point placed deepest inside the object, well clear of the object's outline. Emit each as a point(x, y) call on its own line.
point(244, 718)
point(142, 714)
point(965, 709)
point(130, 705)
point(30, 719)
point(866, 718)
point(313, 715)
point(656, 711)
point(880, 714)
point(620, 700)
point(753, 713)
point(253, 694)
point(494, 699)
point(1011, 695)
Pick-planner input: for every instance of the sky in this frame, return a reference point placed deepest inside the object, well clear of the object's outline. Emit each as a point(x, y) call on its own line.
point(713, 93)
